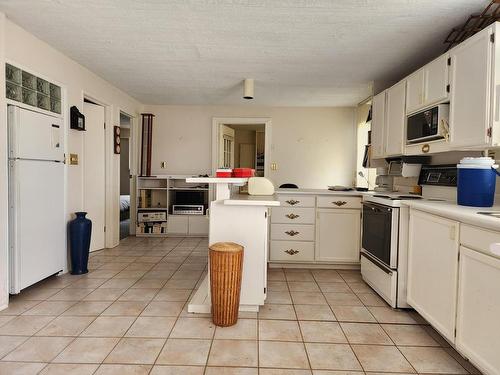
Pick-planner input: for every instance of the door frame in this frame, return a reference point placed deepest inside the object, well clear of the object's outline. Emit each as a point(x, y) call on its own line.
point(108, 169)
point(216, 121)
point(133, 167)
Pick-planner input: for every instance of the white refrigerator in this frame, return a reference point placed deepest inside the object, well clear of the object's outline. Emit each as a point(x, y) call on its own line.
point(37, 229)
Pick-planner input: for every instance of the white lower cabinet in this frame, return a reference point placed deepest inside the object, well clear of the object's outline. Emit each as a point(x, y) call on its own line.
point(478, 315)
point(316, 229)
point(338, 235)
point(433, 270)
point(187, 225)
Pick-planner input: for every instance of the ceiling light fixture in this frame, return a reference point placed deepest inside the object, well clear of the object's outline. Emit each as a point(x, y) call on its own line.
point(248, 88)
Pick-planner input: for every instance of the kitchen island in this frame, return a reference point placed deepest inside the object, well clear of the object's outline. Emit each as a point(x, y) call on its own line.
point(242, 219)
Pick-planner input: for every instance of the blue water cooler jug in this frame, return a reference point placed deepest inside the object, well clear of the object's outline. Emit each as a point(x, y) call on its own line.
point(476, 182)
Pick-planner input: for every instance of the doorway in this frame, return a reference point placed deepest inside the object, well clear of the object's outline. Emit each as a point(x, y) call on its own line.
point(94, 176)
point(242, 146)
point(125, 159)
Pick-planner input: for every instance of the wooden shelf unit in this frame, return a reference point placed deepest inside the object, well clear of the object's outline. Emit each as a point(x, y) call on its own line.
point(157, 193)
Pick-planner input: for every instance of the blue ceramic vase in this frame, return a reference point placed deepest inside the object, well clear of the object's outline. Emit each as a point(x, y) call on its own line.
point(80, 230)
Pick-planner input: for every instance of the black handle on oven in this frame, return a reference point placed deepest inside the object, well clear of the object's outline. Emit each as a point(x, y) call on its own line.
point(377, 207)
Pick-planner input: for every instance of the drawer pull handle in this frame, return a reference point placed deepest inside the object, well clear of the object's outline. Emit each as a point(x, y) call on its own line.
point(292, 202)
point(339, 203)
point(292, 216)
point(292, 232)
point(291, 252)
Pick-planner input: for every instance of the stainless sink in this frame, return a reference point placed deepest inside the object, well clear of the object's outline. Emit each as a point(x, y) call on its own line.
point(490, 213)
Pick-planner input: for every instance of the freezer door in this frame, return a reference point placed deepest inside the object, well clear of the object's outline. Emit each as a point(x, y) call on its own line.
point(37, 238)
point(33, 135)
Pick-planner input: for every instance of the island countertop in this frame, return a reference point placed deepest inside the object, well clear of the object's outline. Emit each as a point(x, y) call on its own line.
point(350, 193)
point(252, 200)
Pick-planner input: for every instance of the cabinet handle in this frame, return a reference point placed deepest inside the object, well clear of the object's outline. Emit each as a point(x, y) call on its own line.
point(292, 233)
point(292, 252)
point(339, 203)
point(292, 216)
point(292, 202)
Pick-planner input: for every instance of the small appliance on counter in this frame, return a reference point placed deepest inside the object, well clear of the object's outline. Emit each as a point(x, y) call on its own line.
point(476, 182)
point(260, 186)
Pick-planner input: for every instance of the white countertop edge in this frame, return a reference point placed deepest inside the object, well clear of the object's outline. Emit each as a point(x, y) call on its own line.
point(463, 214)
point(350, 193)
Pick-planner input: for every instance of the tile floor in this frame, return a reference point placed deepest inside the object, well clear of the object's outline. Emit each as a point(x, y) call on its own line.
point(128, 316)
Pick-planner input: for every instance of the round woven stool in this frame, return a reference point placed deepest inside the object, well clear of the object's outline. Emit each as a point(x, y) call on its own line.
point(226, 266)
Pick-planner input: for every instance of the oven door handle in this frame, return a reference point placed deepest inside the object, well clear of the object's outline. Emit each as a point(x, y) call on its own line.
point(377, 263)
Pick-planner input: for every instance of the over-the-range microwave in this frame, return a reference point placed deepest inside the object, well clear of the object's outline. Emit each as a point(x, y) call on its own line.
point(428, 125)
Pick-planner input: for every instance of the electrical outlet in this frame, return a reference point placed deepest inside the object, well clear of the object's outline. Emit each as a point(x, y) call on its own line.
point(274, 166)
point(163, 164)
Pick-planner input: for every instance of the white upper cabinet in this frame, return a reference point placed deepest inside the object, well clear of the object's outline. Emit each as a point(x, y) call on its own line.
point(395, 119)
point(436, 88)
point(428, 85)
point(377, 126)
point(415, 91)
point(471, 82)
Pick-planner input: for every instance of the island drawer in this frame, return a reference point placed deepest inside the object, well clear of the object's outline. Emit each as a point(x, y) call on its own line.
point(285, 215)
point(297, 200)
point(338, 201)
point(292, 232)
point(292, 251)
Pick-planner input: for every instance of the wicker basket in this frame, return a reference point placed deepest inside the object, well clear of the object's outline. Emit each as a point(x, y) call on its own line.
point(226, 265)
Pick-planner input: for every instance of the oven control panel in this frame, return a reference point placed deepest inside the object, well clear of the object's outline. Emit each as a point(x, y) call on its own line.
point(438, 175)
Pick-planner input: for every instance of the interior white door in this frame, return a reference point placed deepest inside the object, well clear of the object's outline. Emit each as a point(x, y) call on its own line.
point(395, 119)
point(470, 108)
point(433, 270)
point(94, 197)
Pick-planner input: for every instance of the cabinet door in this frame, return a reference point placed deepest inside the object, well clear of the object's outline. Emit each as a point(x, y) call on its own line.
point(395, 119)
point(198, 225)
point(436, 80)
point(177, 224)
point(377, 126)
point(338, 235)
point(433, 269)
point(478, 322)
point(470, 91)
point(415, 91)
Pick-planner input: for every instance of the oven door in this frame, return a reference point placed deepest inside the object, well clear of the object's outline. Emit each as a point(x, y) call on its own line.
point(380, 233)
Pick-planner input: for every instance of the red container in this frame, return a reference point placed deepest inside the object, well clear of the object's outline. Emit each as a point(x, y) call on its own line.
point(224, 172)
point(243, 172)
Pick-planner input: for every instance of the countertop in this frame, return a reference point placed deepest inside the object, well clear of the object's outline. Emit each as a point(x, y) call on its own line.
point(252, 200)
point(464, 214)
point(351, 193)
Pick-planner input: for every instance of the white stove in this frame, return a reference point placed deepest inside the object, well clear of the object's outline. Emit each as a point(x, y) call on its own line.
point(385, 232)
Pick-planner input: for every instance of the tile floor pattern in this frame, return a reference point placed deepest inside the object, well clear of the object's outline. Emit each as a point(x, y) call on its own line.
point(128, 315)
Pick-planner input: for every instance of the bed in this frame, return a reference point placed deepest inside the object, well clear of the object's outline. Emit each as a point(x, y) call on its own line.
point(124, 207)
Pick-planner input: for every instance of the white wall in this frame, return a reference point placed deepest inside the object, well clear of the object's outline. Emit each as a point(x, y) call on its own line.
point(28, 52)
point(313, 147)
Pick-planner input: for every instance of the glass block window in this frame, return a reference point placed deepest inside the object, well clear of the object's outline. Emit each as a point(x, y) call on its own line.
point(27, 88)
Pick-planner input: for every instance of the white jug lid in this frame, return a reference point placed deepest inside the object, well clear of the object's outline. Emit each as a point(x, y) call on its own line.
point(480, 161)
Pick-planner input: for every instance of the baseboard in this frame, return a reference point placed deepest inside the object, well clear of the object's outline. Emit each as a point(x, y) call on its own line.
point(329, 266)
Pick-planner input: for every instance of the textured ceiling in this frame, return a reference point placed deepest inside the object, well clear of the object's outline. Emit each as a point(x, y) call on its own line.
point(300, 52)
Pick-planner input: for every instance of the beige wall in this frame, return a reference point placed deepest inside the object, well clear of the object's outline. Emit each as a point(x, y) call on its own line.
point(313, 147)
point(26, 51)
